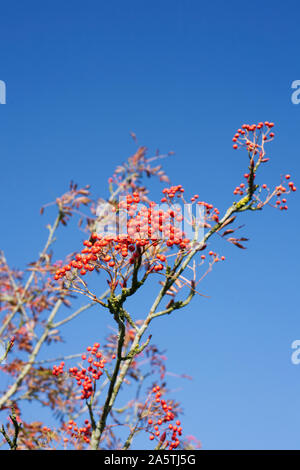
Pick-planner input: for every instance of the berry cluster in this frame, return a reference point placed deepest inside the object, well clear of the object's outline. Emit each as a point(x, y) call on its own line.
point(58, 370)
point(249, 135)
point(253, 137)
point(109, 252)
point(165, 414)
point(147, 227)
point(150, 231)
point(241, 189)
point(208, 209)
point(282, 190)
point(86, 377)
point(76, 432)
point(215, 256)
point(171, 192)
point(151, 225)
point(46, 429)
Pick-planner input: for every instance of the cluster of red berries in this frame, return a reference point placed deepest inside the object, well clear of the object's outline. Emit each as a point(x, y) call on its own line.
point(240, 189)
point(46, 429)
point(290, 183)
point(86, 377)
point(171, 192)
point(216, 257)
point(165, 416)
point(158, 263)
point(58, 370)
point(145, 228)
point(115, 254)
point(76, 432)
point(280, 190)
point(148, 224)
point(208, 209)
point(242, 136)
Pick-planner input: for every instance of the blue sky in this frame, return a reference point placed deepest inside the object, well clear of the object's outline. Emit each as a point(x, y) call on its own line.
point(183, 75)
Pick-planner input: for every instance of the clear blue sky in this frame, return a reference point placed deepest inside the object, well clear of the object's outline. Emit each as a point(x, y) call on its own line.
point(183, 75)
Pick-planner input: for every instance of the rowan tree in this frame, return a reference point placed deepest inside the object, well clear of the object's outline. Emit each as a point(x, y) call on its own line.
point(129, 241)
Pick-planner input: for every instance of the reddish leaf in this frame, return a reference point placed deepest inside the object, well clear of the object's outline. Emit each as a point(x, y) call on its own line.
point(227, 222)
point(227, 232)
